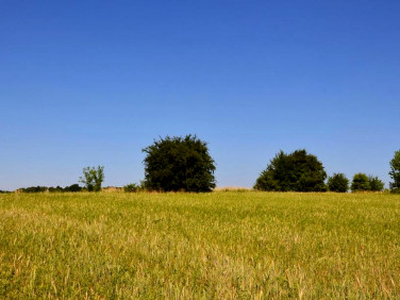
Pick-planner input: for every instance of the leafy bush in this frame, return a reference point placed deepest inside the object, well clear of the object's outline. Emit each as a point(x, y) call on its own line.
point(179, 164)
point(395, 173)
point(338, 183)
point(297, 171)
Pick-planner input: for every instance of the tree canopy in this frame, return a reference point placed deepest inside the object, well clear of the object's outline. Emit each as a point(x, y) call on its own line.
point(298, 171)
point(360, 183)
point(375, 184)
point(179, 164)
point(395, 172)
point(338, 183)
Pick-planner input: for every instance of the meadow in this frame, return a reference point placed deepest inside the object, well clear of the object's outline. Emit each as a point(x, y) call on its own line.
point(227, 244)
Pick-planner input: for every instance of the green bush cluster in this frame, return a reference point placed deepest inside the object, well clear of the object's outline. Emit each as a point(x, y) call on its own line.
point(58, 189)
point(302, 172)
point(362, 182)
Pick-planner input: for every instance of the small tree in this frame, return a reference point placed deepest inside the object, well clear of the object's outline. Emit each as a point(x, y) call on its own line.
point(376, 185)
point(179, 164)
point(395, 173)
point(338, 183)
point(360, 183)
point(298, 171)
point(93, 178)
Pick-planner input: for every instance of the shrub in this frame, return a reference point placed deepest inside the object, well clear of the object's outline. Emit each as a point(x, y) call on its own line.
point(338, 183)
point(179, 164)
point(297, 171)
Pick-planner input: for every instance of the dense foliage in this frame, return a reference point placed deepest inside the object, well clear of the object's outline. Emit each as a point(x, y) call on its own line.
point(298, 171)
point(395, 172)
point(361, 183)
point(179, 164)
point(58, 189)
point(34, 189)
point(93, 178)
point(338, 183)
point(375, 184)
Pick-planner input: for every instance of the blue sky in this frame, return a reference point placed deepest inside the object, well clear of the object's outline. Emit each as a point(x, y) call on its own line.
point(87, 83)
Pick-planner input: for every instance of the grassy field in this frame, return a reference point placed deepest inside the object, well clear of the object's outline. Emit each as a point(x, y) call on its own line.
point(217, 245)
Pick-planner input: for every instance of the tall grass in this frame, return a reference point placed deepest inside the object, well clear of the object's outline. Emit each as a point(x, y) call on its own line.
point(218, 245)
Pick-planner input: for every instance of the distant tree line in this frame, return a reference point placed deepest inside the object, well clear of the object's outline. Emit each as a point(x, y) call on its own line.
point(57, 189)
point(184, 164)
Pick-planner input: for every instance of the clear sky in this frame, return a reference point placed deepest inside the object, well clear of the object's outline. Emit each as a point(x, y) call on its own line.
point(87, 83)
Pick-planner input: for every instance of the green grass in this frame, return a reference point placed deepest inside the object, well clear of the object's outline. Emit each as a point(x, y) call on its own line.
point(217, 245)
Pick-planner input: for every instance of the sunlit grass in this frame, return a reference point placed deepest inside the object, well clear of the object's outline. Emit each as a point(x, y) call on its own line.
point(220, 245)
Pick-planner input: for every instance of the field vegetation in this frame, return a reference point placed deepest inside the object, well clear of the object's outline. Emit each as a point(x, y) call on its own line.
point(230, 244)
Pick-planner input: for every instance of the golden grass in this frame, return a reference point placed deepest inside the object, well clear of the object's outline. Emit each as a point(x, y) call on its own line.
point(217, 245)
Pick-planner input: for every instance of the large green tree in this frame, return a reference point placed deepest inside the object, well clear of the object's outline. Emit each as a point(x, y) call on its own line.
point(179, 164)
point(298, 171)
point(395, 172)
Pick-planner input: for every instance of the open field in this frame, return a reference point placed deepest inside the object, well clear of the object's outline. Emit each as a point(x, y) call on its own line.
point(220, 245)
